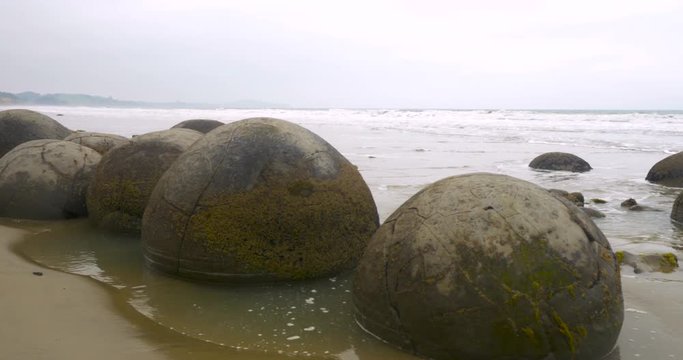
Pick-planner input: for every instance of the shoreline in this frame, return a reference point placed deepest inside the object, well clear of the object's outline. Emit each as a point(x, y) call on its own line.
point(59, 315)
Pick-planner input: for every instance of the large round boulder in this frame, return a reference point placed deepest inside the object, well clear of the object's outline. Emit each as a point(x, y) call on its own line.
point(485, 266)
point(19, 126)
point(668, 171)
point(127, 174)
point(46, 179)
point(259, 199)
point(201, 125)
point(560, 161)
point(97, 141)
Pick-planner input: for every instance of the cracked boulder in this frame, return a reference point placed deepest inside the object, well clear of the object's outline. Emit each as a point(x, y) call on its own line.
point(255, 200)
point(201, 125)
point(46, 179)
point(18, 126)
point(560, 161)
point(127, 174)
point(668, 171)
point(485, 266)
point(97, 141)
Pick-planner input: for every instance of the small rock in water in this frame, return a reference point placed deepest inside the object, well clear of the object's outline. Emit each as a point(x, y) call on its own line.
point(629, 202)
point(598, 201)
point(575, 197)
point(677, 209)
point(665, 263)
point(632, 205)
point(38, 273)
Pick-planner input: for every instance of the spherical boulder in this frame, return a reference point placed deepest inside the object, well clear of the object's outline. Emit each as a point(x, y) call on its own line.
point(668, 171)
point(560, 161)
point(127, 174)
point(255, 200)
point(485, 266)
point(97, 141)
point(201, 125)
point(19, 126)
point(46, 179)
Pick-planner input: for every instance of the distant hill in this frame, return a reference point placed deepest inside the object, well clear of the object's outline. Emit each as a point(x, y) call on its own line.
point(33, 98)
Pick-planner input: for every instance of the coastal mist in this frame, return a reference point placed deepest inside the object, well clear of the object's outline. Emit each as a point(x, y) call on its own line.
point(398, 152)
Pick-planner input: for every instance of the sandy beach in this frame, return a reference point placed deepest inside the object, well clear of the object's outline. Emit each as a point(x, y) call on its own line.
point(63, 316)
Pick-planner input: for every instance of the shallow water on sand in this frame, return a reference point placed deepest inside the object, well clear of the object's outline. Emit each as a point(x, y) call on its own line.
point(398, 153)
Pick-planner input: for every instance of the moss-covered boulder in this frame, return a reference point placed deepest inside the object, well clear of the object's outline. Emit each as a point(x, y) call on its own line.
point(201, 125)
point(259, 199)
point(127, 174)
point(560, 161)
point(20, 125)
point(668, 171)
point(99, 142)
point(485, 266)
point(46, 179)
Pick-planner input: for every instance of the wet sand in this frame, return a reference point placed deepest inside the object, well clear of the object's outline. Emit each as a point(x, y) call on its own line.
point(63, 316)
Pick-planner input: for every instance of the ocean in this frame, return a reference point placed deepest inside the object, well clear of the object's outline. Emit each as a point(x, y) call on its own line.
point(398, 152)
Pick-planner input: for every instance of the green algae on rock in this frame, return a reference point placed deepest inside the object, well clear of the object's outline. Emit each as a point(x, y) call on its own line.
point(658, 262)
point(18, 126)
point(259, 199)
point(127, 174)
point(46, 179)
point(485, 266)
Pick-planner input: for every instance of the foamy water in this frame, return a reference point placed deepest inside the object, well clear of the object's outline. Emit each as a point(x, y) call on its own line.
point(398, 152)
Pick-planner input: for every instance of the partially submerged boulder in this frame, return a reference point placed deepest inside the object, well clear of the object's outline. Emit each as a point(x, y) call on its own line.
point(127, 174)
point(677, 209)
point(201, 125)
point(485, 266)
point(46, 179)
point(632, 205)
point(560, 161)
point(99, 142)
point(667, 172)
point(19, 126)
point(258, 200)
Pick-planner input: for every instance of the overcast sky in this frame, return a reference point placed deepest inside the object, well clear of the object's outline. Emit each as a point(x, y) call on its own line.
point(621, 54)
